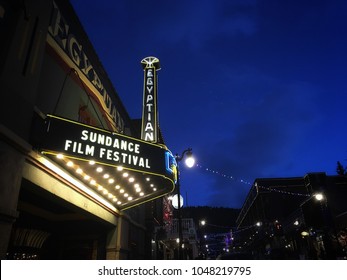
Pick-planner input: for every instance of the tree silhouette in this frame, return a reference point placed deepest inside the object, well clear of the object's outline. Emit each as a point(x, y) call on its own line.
point(340, 170)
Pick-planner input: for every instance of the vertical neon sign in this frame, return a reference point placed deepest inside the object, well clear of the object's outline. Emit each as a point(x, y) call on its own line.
point(149, 130)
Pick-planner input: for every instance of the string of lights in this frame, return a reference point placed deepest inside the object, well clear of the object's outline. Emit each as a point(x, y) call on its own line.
point(222, 174)
point(228, 176)
point(218, 226)
point(281, 191)
point(242, 229)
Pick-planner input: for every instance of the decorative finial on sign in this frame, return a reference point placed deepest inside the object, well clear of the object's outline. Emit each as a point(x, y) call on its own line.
point(150, 62)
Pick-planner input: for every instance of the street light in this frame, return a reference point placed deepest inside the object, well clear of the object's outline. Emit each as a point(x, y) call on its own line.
point(258, 224)
point(318, 196)
point(201, 224)
point(321, 220)
point(190, 161)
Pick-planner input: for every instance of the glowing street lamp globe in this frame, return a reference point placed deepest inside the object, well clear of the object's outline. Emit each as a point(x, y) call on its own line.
point(190, 161)
point(319, 196)
point(174, 201)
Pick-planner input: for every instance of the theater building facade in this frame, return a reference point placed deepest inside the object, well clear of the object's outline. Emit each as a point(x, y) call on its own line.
point(77, 180)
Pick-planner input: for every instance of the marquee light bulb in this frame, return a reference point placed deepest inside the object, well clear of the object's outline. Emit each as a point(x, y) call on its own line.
point(79, 171)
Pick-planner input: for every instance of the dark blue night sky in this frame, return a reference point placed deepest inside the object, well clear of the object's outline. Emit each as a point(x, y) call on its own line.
point(256, 88)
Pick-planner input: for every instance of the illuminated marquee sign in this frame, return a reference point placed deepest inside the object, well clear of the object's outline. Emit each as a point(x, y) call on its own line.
point(149, 114)
point(90, 144)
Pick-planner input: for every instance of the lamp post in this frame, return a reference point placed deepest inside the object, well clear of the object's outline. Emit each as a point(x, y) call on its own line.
point(201, 224)
point(190, 161)
point(323, 222)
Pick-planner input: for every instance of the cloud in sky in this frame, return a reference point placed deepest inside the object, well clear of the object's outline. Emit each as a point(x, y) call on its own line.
point(260, 134)
point(196, 28)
